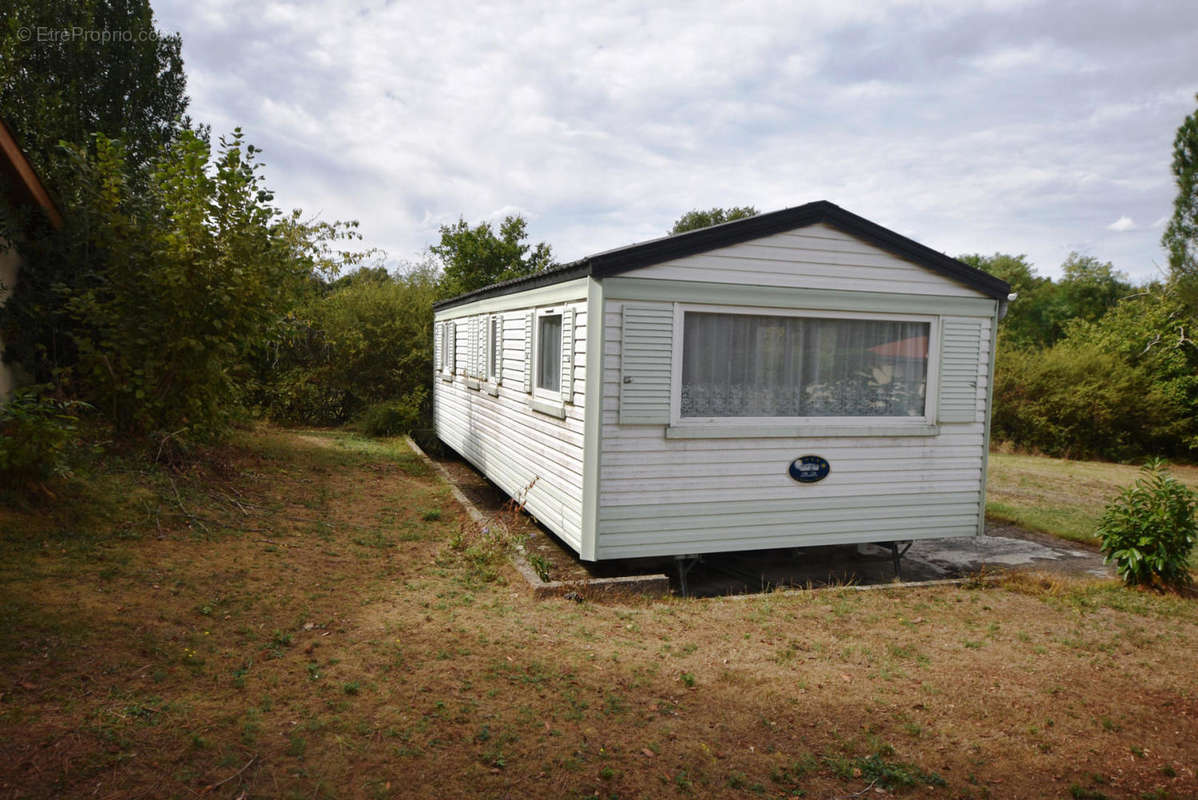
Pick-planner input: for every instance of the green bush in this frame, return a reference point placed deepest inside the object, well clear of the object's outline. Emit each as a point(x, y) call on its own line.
point(1077, 399)
point(359, 342)
point(34, 434)
point(394, 417)
point(1149, 530)
point(162, 285)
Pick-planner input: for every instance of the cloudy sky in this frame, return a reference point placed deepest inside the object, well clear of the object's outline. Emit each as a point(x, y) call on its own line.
point(1022, 127)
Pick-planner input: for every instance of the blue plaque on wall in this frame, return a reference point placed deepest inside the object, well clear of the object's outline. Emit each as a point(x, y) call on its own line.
point(809, 469)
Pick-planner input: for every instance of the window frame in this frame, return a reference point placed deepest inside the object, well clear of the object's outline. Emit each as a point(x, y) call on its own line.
point(491, 366)
point(841, 424)
point(549, 395)
point(447, 373)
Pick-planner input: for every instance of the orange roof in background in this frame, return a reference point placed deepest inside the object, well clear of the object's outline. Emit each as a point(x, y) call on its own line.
point(915, 347)
point(24, 180)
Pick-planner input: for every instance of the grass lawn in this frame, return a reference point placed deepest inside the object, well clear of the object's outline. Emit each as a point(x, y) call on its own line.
point(1053, 495)
point(308, 614)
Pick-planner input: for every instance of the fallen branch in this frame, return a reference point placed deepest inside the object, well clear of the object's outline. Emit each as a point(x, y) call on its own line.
point(855, 794)
point(231, 777)
point(190, 517)
point(165, 439)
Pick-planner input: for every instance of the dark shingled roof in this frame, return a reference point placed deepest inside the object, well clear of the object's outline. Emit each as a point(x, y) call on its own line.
point(656, 251)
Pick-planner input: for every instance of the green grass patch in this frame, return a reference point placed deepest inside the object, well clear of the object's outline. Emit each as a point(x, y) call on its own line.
point(1061, 497)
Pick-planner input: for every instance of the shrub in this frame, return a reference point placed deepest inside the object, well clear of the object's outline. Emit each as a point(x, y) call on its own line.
point(394, 417)
point(1149, 530)
point(34, 433)
point(362, 341)
point(1076, 399)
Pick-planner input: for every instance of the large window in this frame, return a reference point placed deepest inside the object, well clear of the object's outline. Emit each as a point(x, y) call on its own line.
point(549, 352)
point(750, 365)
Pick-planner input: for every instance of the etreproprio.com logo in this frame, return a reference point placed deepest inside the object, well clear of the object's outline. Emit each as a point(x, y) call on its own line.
point(77, 33)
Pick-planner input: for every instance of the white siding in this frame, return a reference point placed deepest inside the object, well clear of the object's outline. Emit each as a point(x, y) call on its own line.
point(814, 257)
point(661, 496)
point(505, 439)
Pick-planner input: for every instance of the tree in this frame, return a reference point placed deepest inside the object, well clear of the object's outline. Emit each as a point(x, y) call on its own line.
point(1181, 235)
point(1040, 314)
point(472, 258)
point(1089, 289)
point(165, 286)
point(363, 342)
point(1153, 330)
point(693, 220)
point(1027, 323)
point(61, 81)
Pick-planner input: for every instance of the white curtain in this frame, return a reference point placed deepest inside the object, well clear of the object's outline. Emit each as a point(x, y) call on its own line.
point(746, 365)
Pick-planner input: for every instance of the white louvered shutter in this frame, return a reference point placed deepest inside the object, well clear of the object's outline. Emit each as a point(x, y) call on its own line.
point(451, 328)
point(438, 334)
point(528, 323)
point(474, 348)
point(646, 354)
point(497, 346)
point(567, 375)
point(479, 340)
point(961, 359)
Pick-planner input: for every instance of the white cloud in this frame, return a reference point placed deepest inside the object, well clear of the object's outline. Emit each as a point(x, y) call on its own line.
point(602, 123)
point(1122, 224)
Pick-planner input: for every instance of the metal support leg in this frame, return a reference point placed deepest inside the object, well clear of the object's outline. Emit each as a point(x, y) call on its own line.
point(898, 554)
point(685, 565)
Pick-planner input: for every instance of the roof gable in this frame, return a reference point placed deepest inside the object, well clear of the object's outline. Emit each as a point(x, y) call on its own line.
point(656, 251)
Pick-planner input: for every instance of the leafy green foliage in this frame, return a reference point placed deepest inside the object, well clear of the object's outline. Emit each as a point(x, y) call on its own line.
point(153, 298)
point(197, 269)
point(472, 258)
point(69, 88)
point(35, 431)
point(1149, 530)
point(1180, 238)
point(1026, 322)
point(1044, 308)
point(395, 417)
point(361, 342)
point(1152, 331)
point(1091, 366)
point(1089, 289)
point(693, 220)
point(1077, 399)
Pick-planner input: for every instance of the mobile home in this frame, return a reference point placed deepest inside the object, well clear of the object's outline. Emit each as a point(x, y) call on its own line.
point(798, 378)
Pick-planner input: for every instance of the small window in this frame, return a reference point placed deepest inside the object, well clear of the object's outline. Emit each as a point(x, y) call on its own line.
point(549, 352)
point(758, 366)
point(495, 346)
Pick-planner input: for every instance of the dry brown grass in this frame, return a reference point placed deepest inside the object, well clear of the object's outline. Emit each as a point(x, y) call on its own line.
point(323, 639)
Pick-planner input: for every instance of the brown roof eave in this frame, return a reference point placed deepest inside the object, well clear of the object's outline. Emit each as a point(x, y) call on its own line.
point(25, 177)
